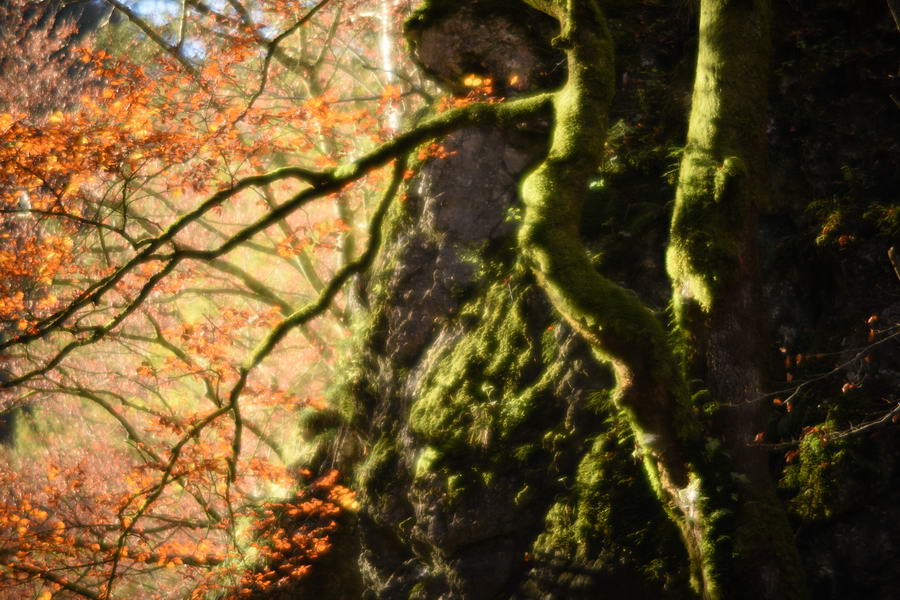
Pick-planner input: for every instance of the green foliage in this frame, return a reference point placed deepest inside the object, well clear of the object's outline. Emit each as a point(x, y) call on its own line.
point(813, 475)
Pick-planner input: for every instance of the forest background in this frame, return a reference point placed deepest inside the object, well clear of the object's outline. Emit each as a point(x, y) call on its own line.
point(207, 349)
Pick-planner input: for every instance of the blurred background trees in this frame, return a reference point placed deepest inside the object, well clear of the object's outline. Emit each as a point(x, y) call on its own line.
point(116, 120)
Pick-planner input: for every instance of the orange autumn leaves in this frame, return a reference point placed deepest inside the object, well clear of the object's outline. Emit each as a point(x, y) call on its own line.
point(292, 535)
point(107, 441)
point(43, 535)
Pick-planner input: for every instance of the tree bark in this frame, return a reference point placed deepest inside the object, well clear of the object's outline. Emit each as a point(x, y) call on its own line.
point(719, 508)
point(713, 262)
point(446, 397)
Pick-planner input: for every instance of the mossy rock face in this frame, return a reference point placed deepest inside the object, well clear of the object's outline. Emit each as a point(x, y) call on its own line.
point(431, 270)
point(485, 467)
point(477, 405)
point(479, 434)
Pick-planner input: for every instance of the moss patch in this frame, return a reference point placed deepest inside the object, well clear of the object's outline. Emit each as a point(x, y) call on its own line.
point(490, 386)
point(610, 524)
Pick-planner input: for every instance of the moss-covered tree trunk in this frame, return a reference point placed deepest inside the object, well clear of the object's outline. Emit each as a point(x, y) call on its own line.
point(713, 262)
point(504, 382)
point(722, 499)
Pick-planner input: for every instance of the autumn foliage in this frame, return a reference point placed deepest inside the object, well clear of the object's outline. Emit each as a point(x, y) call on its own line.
point(140, 456)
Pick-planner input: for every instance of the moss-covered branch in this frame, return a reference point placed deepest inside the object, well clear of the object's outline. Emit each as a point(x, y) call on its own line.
point(314, 309)
point(322, 183)
point(621, 329)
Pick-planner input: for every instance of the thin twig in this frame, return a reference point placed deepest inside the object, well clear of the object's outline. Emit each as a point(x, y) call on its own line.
point(271, 47)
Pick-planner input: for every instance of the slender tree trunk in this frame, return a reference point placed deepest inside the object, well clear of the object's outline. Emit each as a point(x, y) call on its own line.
point(713, 263)
point(386, 44)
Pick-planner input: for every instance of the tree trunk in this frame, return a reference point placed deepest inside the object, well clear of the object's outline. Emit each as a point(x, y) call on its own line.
point(527, 425)
point(705, 258)
point(713, 262)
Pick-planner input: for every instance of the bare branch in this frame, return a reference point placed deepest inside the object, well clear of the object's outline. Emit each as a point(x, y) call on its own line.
point(174, 51)
point(54, 578)
point(95, 292)
point(271, 47)
point(797, 389)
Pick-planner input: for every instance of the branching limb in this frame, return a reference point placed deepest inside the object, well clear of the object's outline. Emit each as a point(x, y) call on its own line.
point(262, 291)
point(77, 219)
point(94, 293)
point(133, 436)
point(311, 311)
point(173, 50)
point(271, 48)
point(96, 333)
point(302, 262)
point(620, 328)
point(209, 391)
point(509, 113)
point(887, 418)
point(262, 351)
point(56, 579)
point(168, 475)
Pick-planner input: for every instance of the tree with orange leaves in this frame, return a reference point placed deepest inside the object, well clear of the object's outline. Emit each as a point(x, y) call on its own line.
point(155, 248)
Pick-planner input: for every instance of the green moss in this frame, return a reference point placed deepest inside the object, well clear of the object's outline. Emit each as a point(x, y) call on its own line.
point(490, 388)
point(484, 387)
point(426, 13)
point(426, 461)
point(619, 327)
point(419, 592)
point(611, 522)
point(728, 175)
point(814, 473)
point(704, 252)
point(379, 466)
point(488, 405)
